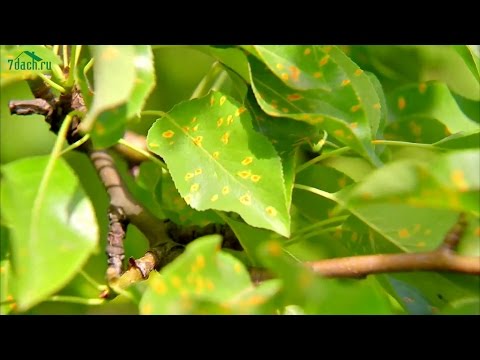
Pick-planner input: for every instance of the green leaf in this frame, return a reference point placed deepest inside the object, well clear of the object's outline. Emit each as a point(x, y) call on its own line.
point(416, 129)
point(205, 279)
point(461, 140)
point(449, 181)
point(123, 77)
point(471, 58)
point(430, 100)
point(15, 60)
point(336, 109)
point(52, 233)
point(218, 161)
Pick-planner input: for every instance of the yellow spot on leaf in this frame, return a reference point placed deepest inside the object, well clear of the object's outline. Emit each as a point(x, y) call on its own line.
point(176, 282)
point(246, 199)
point(248, 160)
point(186, 128)
point(324, 60)
point(355, 108)
point(100, 129)
point(194, 119)
point(198, 171)
point(238, 268)
point(403, 233)
point(422, 87)
point(188, 176)
point(415, 128)
point(358, 72)
point(285, 110)
point(279, 66)
point(307, 51)
point(220, 122)
point(212, 100)
point(284, 76)
point(194, 187)
point(377, 106)
point(229, 119)
point(198, 140)
point(222, 100)
point(294, 97)
point(153, 145)
point(317, 75)
point(353, 125)
point(295, 72)
point(317, 120)
point(255, 178)
point(346, 82)
point(225, 137)
point(255, 300)
point(421, 244)
point(458, 179)
point(160, 287)
point(271, 211)
point(210, 285)
point(274, 248)
point(214, 198)
point(225, 190)
point(216, 154)
point(401, 103)
point(240, 111)
point(168, 134)
point(110, 53)
point(147, 309)
point(427, 232)
point(195, 128)
point(339, 133)
point(244, 174)
point(200, 261)
point(188, 199)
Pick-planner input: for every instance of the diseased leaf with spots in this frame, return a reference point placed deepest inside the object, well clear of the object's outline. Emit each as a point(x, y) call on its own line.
point(337, 110)
point(461, 140)
point(205, 279)
point(217, 161)
point(429, 100)
point(123, 78)
point(416, 129)
point(52, 233)
point(17, 63)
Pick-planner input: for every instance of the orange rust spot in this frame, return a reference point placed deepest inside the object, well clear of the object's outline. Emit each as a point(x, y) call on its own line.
point(9, 298)
point(401, 103)
point(422, 87)
point(100, 128)
point(225, 137)
point(358, 72)
point(210, 285)
point(220, 122)
point(284, 76)
point(274, 248)
point(306, 116)
point(240, 111)
point(366, 196)
point(355, 108)
point(271, 211)
point(186, 128)
point(245, 199)
point(294, 97)
point(324, 60)
point(353, 125)
point(147, 309)
point(212, 100)
point(458, 179)
point(346, 82)
point(477, 231)
point(317, 75)
point(195, 128)
point(279, 66)
point(339, 133)
point(307, 51)
point(216, 154)
point(229, 119)
point(327, 49)
point(200, 261)
point(244, 174)
point(248, 160)
point(295, 72)
point(403, 233)
point(416, 129)
point(255, 178)
point(342, 182)
point(198, 140)
point(168, 134)
point(255, 300)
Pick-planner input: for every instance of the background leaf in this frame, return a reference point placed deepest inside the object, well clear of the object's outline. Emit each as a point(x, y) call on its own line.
point(218, 162)
point(46, 257)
